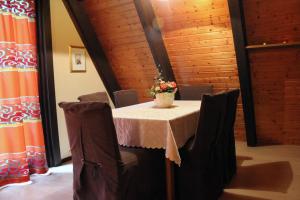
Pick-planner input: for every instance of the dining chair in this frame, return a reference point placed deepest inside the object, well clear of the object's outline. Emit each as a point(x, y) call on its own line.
point(102, 170)
point(229, 145)
point(200, 175)
point(125, 98)
point(194, 92)
point(97, 96)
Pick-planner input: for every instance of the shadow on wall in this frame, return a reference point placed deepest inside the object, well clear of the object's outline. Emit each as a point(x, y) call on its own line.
point(274, 176)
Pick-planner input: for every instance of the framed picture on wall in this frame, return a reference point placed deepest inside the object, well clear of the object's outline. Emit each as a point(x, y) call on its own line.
point(77, 58)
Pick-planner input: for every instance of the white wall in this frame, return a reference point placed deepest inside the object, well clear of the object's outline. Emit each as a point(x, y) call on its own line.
point(68, 86)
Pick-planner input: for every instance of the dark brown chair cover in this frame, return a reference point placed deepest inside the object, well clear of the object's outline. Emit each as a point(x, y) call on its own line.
point(101, 170)
point(97, 96)
point(194, 92)
point(125, 98)
point(229, 147)
point(200, 176)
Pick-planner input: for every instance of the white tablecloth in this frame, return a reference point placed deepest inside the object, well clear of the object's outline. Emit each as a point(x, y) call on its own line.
point(144, 125)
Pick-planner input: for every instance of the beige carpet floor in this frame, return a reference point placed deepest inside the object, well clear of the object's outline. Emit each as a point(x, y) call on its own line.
point(264, 173)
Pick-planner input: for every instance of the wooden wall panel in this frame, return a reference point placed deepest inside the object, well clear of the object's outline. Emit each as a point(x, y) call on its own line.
point(119, 29)
point(272, 21)
point(198, 38)
point(276, 90)
point(276, 71)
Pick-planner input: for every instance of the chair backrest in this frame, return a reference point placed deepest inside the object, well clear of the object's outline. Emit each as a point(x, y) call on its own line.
point(194, 92)
point(210, 127)
point(97, 96)
point(125, 98)
point(229, 140)
point(232, 98)
point(93, 141)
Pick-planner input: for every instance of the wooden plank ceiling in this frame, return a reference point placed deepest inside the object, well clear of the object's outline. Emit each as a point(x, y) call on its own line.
point(118, 27)
point(197, 36)
point(199, 42)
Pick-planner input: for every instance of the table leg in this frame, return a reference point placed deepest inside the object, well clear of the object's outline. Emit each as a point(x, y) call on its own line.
point(170, 179)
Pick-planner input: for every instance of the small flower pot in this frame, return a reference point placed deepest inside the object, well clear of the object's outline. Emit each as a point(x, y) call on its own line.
point(164, 100)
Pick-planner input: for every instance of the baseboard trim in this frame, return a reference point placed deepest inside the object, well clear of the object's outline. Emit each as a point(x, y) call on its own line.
point(66, 159)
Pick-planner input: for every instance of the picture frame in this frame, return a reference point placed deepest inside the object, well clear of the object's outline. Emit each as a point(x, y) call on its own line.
point(77, 56)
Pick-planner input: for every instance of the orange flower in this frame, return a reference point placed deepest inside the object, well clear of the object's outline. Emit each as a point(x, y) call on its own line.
point(173, 84)
point(163, 86)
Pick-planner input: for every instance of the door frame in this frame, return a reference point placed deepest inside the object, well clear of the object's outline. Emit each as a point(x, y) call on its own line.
point(46, 82)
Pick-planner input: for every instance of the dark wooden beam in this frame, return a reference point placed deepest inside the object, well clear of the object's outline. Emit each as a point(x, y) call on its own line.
point(92, 44)
point(240, 43)
point(155, 39)
point(46, 83)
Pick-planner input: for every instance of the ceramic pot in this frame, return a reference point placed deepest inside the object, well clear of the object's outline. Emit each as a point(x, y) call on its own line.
point(164, 100)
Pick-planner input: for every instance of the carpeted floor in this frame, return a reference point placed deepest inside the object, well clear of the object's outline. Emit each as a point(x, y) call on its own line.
point(56, 186)
point(264, 173)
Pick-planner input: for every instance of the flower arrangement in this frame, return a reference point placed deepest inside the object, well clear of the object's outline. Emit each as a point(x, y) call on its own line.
point(162, 86)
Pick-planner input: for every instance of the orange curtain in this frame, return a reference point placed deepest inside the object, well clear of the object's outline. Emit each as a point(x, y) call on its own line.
point(22, 148)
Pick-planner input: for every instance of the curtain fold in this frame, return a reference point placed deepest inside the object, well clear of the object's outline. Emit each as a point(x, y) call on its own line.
point(22, 148)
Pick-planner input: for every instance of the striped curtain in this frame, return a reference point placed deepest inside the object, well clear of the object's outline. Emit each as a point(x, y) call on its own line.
point(22, 148)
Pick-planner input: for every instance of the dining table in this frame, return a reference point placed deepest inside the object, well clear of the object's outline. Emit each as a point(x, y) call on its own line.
point(148, 126)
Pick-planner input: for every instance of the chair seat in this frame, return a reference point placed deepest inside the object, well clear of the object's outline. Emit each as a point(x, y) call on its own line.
point(144, 158)
point(183, 151)
point(189, 143)
point(129, 158)
point(150, 164)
